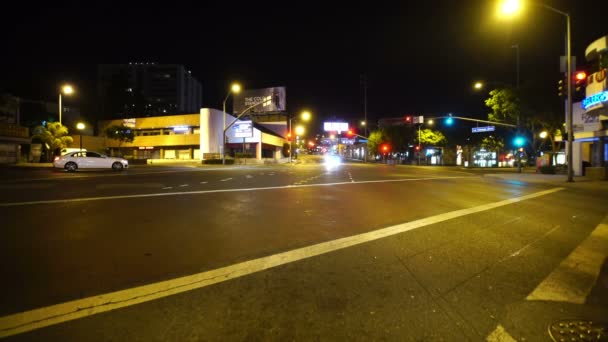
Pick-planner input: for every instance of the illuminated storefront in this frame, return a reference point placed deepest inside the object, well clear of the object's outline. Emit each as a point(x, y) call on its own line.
point(590, 117)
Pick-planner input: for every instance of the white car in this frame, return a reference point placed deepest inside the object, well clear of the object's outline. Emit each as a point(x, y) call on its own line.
point(89, 160)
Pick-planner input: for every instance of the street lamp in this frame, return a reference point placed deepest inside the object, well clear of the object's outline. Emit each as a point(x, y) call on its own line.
point(543, 134)
point(510, 8)
point(305, 116)
point(80, 126)
point(67, 90)
point(234, 88)
point(299, 130)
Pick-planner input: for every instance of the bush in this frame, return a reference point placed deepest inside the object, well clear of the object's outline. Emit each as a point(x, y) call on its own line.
point(241, 155)
point(217, 161)
point(547, 169)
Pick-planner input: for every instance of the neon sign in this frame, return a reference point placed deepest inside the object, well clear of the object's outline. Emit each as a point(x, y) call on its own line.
point(595, 99)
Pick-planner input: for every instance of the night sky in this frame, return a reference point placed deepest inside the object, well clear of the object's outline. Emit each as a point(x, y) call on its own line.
point(418, 56)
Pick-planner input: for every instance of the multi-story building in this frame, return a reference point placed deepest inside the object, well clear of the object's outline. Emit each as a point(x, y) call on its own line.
point(146, 89)
point(590, 117)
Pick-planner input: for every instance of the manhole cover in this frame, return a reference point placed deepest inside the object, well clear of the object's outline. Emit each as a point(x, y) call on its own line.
point(578, 330)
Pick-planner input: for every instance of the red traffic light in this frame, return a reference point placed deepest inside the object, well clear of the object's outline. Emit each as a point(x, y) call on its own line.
point(580, 76)
point(350, 132)
point(384, 148)
point(417, 147)
point(288, 135)
point(408, 119)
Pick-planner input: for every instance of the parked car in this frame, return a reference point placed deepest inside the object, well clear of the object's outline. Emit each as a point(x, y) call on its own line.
point(89, 160)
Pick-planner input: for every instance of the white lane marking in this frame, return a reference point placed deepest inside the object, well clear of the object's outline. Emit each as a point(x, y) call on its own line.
point(226, 179)
point(500, 335)
point(54, 314)
point(248, 176)
point(167, 187)
point(183, 185)
point(128, 185)
point(86, 199)
point(576, 275)
point(203, 182)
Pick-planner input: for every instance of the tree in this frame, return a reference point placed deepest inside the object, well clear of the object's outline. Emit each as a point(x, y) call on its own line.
point(376, 138)
point(121, 133)
point(532, 113)
point(430, 137)
point(399, 136)
point(505, 106)
point(54, 136)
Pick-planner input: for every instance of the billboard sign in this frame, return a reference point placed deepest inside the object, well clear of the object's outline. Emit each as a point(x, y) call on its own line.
point(335, 126)
point(268, 100)
point(243, 129)
point(483, 129)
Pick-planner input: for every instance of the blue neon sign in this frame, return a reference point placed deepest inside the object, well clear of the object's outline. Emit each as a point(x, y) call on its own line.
point(595, 99)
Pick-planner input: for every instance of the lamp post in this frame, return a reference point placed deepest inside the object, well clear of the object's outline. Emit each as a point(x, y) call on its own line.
point(305, 116)
point(80, 126)
point(235, 88)
point(67, 90)
point(512, 7)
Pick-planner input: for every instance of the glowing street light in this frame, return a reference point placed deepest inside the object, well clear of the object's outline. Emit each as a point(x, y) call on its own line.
point(509, 8)
point(305, 115)
point(67, 90)
point(477, 85)
point(234, 88)
point(80, 126)
point(543, 134)
point(299, 130)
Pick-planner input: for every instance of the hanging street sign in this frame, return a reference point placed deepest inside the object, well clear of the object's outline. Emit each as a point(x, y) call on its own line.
point(483, 129)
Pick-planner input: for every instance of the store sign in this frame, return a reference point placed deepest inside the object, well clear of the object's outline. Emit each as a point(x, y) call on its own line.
point(243, 129)
point(335, 126)
point(594, 100)
point(181, 128)
point(483, 129)
point(128, 122)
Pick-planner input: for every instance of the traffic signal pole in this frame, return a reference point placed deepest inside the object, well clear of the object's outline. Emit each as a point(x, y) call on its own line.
point(420, 149)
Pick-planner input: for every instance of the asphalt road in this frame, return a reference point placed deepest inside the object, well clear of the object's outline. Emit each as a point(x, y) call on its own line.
point(296, 252)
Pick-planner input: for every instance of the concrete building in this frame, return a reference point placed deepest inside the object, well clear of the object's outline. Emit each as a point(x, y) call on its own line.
point(193, 137)
point(590, 117)
point(148, 89)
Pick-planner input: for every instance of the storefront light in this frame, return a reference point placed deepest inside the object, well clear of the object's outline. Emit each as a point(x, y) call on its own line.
point(181, 129)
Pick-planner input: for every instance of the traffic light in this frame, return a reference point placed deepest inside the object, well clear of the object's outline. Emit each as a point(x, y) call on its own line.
point(409, 120)
point(350, 133)
point(519, 141)
point(288, 136)
point(580, 80)
point(449, 121)
point(417, 148)
point(385, 148)
point(561, 88)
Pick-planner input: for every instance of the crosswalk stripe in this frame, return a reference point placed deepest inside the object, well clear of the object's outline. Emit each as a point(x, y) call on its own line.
point(576, 275)
point(500, 335)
